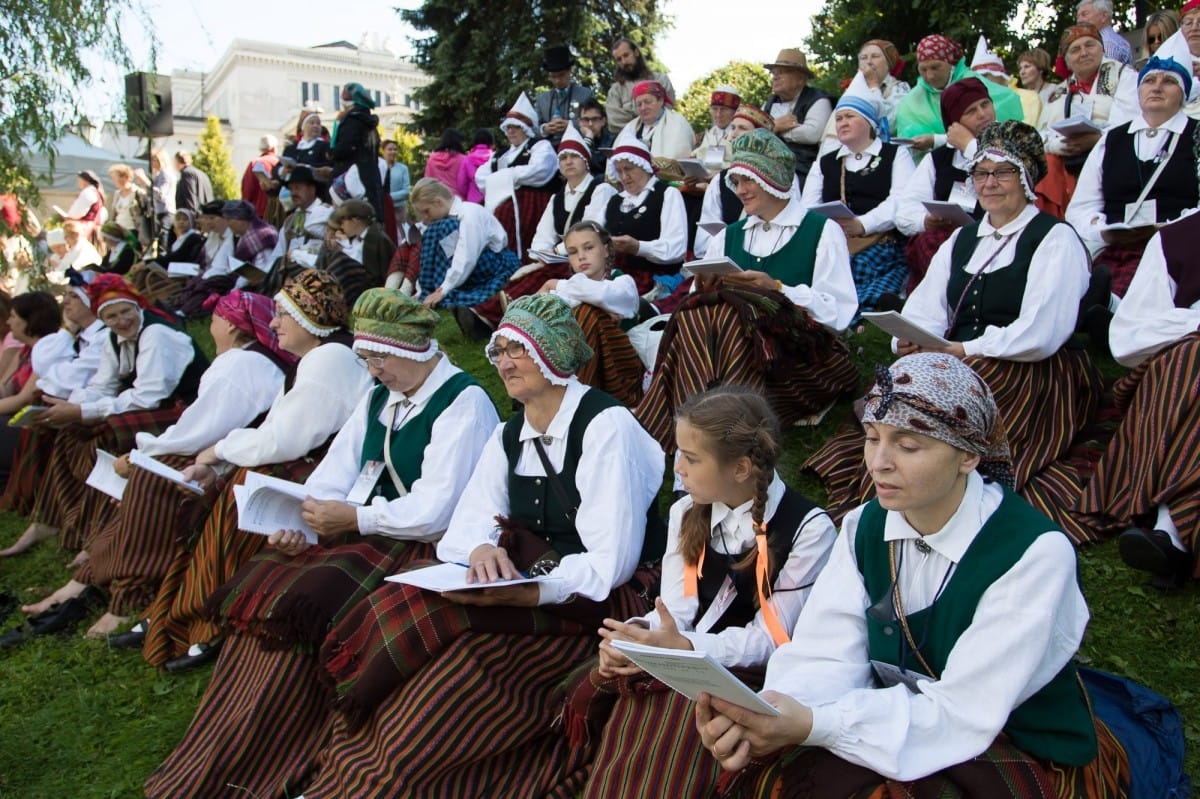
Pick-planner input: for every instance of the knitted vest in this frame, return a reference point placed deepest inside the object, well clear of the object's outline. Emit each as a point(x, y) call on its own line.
point(805, 154)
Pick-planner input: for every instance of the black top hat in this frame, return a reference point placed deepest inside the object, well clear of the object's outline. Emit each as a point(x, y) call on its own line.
point(555, 59)
point(302, 174)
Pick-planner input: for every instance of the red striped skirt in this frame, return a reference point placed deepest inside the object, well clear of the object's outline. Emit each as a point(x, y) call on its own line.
point(1122, 261)
point(477, 721)
point(615, 368)
point(920, 251)
point(262, 719)
point(133, 553)
point(531, 204)
point(1001, 771)
point(1151, 460)
point(176, 615)
point(751, 338)
point(1045, 404)
point(491, 310)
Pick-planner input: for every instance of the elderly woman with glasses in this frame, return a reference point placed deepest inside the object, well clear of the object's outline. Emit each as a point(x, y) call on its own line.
point(380, 498)
point(1005, 293)
point(561, 489)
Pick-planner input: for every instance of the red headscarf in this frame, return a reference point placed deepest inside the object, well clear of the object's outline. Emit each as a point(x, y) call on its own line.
point(251, 314)
point(651, 87)
point(936, 47)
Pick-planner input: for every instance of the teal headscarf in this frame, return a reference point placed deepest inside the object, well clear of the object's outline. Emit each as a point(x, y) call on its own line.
point(359, 95)
point(920, 112)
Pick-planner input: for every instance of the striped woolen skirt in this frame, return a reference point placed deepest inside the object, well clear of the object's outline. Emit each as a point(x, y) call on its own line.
point(176, 616)
point(1001, 771)
point(475, 722)
point(1044, 405)
point(745, 337)
point(1151, 460)
point(132, 554)
point(30, 460)
point(650, 749)
point(615, 368)
point(261, 720)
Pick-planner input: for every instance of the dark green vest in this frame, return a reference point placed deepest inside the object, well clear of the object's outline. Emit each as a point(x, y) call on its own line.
point(410, 441)
point(994, 298)
point(1053, 724)
point(189, 383)
point(793, 263)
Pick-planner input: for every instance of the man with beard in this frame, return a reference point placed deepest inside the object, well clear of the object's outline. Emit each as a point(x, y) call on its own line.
point(631, 70)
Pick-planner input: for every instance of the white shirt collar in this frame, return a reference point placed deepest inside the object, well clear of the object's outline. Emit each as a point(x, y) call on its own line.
point(952, 541)
point(1175, 124)
point(791, 216)
point(874, 148)
point(640, 197)
point(732, 529)
point(1024, 218)
point(440, 374)
point(581, 188)
point(561, 423)
point(96, 328)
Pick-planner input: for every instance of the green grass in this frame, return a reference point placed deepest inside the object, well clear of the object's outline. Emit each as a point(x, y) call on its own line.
point(80, 720)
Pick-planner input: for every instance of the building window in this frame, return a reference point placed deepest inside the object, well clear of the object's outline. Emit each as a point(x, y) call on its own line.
point(387, 99)
point(304, 93)
point(337, 97)
point(378, 98)
point(316, 90)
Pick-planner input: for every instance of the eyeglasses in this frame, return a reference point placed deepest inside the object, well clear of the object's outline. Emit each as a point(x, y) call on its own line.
point(515, 351)
point(980, 176)
point(591, 119)
point(372, 361)
point(1155, 39)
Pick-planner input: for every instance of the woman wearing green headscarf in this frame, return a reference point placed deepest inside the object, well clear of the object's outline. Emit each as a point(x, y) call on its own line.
point(355, 143)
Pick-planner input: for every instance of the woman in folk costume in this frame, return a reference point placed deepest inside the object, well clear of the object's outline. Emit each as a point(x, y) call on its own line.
point(720, 203)
point(265, 712)
point(743, 551)
point(919, 667)
point(647, 220)
point(880, 64)
point(942, 177)
point(865, 172)
point(87, 210)
point(545, 497)
point(1099, 89)
point(602, 299)
point(130, 545)
point(990, 67)
point(940, 63)
point(464, 260)
point(1145, 483)
point(714, 146)
point(579, 196)
point(311, 323)
point(518, 183)
point(1142, 173)
point(149, 370)
point(664, 130)
point(774, 325)
point(1005, 292)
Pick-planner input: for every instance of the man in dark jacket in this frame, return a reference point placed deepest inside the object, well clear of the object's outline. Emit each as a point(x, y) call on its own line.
point(194, 189)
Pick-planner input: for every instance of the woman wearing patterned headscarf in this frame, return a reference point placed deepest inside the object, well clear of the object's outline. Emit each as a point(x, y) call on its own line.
point(543, 498)
point(888, 702)
point(382, 494)
point(1005, 292)
point(880, 64)
point(1141, 173)
point(310, 321)
point(131, 545)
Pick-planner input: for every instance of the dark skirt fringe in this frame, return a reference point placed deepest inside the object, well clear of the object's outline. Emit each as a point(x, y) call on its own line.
point(488, 275)
point(1000, 771)
point(920, 251)
point(263, 717)
point(133, 553)
point(176, 617)
point(745, 337)
point(33, 454)
point(1151, 460)
point(615, 368)
point(491, 310)
point(476, 721)
point(1122, 261)
point(1044, 404)
point(531, 204)
point(880, 269)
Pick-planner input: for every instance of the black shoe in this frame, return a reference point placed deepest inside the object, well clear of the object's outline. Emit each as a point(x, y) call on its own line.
point(15, 637)
point(472, 324)
point(132, 638)
point(208, 653)
point(1152, 551)
point(8, 603)
point(65, 616)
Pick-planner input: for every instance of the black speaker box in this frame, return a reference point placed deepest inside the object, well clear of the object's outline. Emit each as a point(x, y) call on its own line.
point(148, 105)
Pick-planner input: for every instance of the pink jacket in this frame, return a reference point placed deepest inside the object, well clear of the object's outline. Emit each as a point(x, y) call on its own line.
point(480, 154)
point(446, 166)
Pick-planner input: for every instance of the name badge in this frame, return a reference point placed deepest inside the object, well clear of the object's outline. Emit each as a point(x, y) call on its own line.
point(718, 607)
point(889, 675)
point(1143, 215)
point(365, 484)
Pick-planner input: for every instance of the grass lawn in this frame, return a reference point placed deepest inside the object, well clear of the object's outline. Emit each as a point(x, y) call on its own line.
point(80, 720)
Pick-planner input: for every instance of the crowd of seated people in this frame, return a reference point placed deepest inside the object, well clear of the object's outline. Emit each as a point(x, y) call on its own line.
point(1019, 226)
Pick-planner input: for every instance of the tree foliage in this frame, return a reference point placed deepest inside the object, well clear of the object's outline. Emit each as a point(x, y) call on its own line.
point(483, 53)
point(44, 71)
point(214, 158)
point(751, 81)
point(1011, 27)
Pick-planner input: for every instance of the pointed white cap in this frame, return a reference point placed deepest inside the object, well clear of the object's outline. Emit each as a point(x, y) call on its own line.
point(523, 115)
point(860, 98)
point(572, 142)
point(987, 62)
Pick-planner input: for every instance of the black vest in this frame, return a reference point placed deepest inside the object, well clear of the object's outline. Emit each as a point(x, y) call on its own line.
point(994, 298)
point(731, 206)
point(1178, 241)
point(805, 154)
point(863, 192)
point(522, 159)
point(644, 223)
point(1125, 175)
point(560, 206)
point(781, 533)
point(946, 174)
point(189, 384)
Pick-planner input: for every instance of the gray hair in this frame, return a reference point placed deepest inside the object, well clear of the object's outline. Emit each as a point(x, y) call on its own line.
point(1103, 6)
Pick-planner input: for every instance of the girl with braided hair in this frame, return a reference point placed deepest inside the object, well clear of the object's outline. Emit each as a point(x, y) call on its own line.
point(743, 550)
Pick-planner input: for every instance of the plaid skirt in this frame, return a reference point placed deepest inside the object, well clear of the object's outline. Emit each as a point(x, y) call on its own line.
point(491, 310)
point(880, 269)
point(1151, 460)
point(615, 367)
point(745, 337)
point(487, 276)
